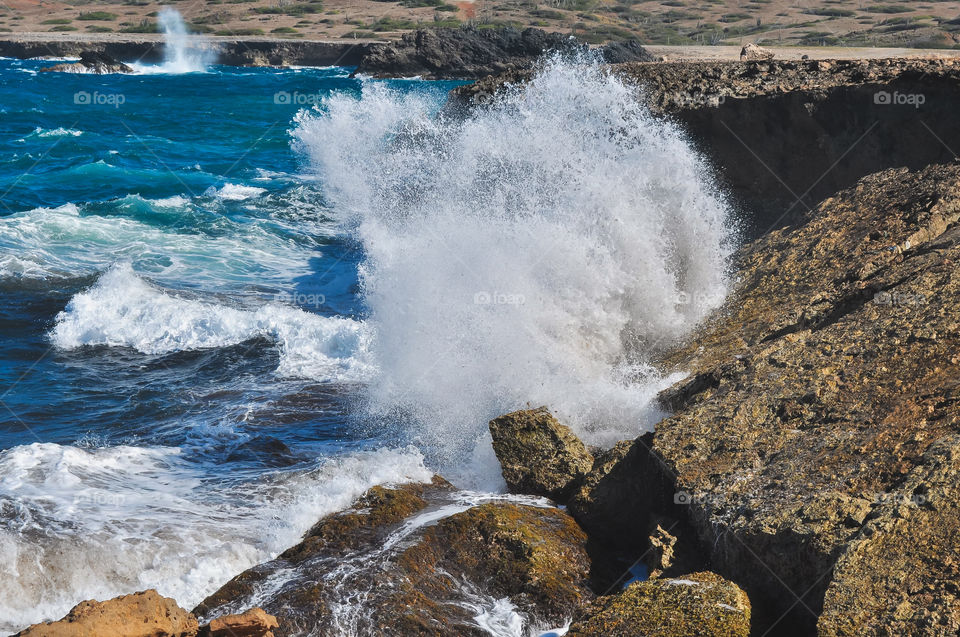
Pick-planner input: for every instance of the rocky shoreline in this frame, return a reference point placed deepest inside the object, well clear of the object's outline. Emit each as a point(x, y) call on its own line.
point(805, 483)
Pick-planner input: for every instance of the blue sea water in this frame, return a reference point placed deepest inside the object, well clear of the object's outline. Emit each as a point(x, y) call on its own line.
point(176, 198)
point(226, 313)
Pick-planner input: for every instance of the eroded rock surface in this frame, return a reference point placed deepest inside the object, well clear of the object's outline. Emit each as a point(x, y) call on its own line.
point(419, 559)
point(701, 604)
point(814, 445)
point(145, 614)
point(538, 455)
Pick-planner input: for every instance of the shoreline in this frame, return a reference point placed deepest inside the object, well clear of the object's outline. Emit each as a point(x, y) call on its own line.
point(260, 51)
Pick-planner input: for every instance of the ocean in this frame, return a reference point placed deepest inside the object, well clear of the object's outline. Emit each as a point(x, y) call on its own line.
point(234, 299)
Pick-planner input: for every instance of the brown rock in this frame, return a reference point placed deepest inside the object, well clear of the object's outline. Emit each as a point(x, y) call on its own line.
point(752, 52)
point(144, 614)
point(822, 408)
point(538, 455)
point(702, 604)
point(253, 623)
point(376, 570)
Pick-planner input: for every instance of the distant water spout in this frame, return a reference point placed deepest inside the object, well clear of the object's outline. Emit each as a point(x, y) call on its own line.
point(179, 54)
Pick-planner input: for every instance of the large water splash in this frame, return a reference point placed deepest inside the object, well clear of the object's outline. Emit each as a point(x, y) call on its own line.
point(180, 53)
point(537, 252)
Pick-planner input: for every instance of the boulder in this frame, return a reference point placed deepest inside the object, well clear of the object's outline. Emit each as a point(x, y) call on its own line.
point(752, 52)
point(144, 614)
point(253, 623)
point(538, 455)
point(419, 559)
point(702, 604)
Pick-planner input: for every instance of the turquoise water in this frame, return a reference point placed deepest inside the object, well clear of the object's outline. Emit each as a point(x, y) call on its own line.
point(198, 385)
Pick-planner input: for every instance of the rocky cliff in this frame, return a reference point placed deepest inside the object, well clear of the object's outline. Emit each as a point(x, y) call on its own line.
point(814, 449)
point(783, 135)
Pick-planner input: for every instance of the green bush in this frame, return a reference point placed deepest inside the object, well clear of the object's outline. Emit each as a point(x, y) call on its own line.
point(57, 21)
point(97, 15)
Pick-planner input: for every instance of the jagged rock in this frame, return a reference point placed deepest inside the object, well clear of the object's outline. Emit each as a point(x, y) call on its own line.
point(662, 549)
point(753, 52)
point(538, 455)
point(90, 62)
point(375, 569)
point(253, 623)
point(144, 614)
point(469, 53)
point(823, 401)
point(702, 604)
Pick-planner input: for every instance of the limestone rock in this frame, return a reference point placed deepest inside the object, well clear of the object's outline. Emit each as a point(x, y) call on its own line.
point(415, 559)
point(253, 623)
point(144, 614)
point(538, 455)
point(90, 62)
point(753, 52)
point(701, 604)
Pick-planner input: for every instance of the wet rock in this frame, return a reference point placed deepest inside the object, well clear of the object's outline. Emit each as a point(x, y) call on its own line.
point(90, 62)
point(702, 604)
point(419, 559)
point(752, 52)
point(144, 614)
point(538, 455)
point(253, 623)
point(813, 446)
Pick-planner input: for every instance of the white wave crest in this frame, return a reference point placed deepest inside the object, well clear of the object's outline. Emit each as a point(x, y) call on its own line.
point(124, 310)
point(536, 253)
point(80, 524)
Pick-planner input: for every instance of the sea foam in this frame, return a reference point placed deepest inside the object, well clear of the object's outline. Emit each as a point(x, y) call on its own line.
point(538, 251)
point(97, 523)
point(124, 310)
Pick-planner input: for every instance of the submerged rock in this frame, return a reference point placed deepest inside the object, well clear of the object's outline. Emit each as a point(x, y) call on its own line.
point(813, 447)
point(144, 614)
point(538, 455)
point(420, 559)
point(701, 604)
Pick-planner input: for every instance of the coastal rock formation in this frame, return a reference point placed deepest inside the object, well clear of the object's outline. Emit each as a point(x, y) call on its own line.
point(698, 604)
point(90, 62)
point(538, 455)
point(144, 614)
point(474, 53)
point(754, 120)
point(420, 559)
point(813, 448)
point(253, 623)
